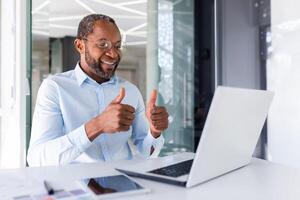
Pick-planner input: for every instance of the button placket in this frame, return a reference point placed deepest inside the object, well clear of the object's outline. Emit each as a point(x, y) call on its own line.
point(104, 137)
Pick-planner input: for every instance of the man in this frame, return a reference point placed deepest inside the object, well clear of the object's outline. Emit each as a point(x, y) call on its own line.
point(89, 114)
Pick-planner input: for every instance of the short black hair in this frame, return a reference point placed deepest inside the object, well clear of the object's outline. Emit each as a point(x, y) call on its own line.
point(86, 25)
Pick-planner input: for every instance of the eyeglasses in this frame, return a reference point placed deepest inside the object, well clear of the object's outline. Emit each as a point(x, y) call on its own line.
point(107, 45)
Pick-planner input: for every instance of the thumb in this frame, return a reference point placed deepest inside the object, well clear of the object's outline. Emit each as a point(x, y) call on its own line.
point(120, 97)
point(153, 98)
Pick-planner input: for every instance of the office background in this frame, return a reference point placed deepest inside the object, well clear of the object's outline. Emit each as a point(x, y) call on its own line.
point(185, 48)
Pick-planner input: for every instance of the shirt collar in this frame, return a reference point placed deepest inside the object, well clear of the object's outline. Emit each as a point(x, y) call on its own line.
point(81, 76)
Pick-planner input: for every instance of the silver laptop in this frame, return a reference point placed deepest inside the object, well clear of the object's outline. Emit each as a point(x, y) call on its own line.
point(231, 131)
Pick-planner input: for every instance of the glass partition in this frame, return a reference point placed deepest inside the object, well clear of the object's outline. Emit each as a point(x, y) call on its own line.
point(170, 68)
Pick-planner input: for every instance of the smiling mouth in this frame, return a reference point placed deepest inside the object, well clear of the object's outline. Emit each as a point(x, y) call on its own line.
point(109, 63)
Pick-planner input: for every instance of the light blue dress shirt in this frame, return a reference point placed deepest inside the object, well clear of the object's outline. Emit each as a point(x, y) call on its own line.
point(65, 102)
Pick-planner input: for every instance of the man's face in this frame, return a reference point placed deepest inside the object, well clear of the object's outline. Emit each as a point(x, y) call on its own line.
point(102, 50)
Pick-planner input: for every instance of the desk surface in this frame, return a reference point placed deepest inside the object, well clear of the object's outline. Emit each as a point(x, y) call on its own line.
point(259, 180)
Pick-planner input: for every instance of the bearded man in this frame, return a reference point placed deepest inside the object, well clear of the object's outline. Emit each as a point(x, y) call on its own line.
point(89, 114)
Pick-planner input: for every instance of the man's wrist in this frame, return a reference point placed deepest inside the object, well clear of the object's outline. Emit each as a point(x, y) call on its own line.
point(93, 129)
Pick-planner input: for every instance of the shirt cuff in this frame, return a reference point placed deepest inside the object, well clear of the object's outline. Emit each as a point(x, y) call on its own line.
point(156, 143)
point(79, 139)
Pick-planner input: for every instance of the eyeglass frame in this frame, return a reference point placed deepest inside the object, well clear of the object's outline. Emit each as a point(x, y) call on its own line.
point(109, 43)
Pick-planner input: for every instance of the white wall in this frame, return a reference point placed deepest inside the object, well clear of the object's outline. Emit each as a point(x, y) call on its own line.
point(13, 83)
point(283, 75)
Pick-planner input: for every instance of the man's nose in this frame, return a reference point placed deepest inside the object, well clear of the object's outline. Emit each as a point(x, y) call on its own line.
point(112, 52)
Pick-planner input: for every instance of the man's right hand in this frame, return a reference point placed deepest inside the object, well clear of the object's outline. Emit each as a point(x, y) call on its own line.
point(115, 118)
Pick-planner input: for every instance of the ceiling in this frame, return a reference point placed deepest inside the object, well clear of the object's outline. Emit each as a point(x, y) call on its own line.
point(60, 18)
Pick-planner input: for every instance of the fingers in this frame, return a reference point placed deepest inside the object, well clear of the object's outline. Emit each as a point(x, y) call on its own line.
point(153, 98)
point(122, 116)
point(158, 110)
point(117, 117)
point(160, 125)
point(159, 119)
point(120, 97)
point(121, 108)
point(127, 117)
point(159, 114)
point(124, 122)
point(128, 108)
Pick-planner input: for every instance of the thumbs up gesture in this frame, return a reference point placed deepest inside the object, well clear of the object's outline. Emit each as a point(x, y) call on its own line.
point(157, 116)
point(116, 117)
point(120, 97)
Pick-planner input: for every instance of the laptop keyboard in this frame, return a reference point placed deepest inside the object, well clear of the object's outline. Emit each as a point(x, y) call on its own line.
point(175, 170)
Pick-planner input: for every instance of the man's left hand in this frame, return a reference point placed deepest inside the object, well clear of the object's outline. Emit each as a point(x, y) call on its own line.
point(157, 116)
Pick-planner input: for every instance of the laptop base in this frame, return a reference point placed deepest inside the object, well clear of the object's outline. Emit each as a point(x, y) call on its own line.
point(153, 178)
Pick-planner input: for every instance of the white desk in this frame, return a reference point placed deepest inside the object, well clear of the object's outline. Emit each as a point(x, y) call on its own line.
point(259, 180)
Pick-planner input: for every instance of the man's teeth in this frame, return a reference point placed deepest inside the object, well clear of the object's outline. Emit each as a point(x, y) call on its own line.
point(109, 63)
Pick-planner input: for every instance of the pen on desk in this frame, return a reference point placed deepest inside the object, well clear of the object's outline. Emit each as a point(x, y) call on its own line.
point(48, 187)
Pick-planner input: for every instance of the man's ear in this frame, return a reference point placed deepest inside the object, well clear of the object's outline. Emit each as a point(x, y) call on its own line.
point(79, 46)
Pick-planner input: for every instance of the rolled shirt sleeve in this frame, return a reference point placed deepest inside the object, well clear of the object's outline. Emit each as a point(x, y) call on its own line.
point(156, 143)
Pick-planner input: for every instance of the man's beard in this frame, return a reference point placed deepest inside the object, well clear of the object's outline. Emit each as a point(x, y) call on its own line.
point(97, 66)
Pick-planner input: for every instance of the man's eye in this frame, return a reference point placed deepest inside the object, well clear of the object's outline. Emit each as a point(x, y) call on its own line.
point(103, 45)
